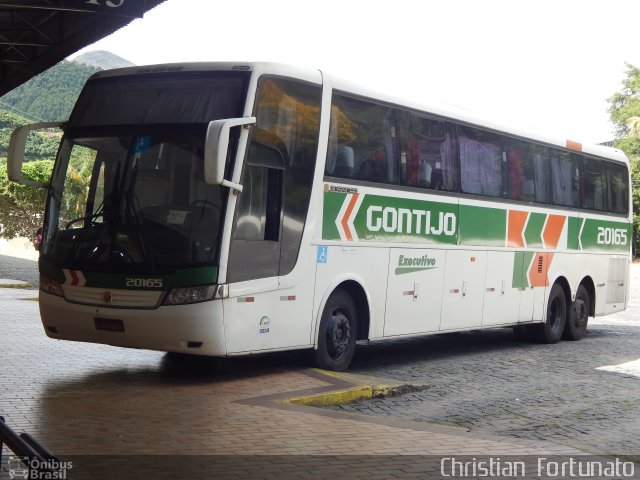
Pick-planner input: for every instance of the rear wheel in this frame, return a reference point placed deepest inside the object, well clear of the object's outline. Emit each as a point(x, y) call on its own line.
point(576, 326)
point(551, 330)
point(337, 333)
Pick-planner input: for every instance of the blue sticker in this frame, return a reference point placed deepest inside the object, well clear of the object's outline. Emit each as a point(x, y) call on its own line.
point(322, 254)
point(141, 144)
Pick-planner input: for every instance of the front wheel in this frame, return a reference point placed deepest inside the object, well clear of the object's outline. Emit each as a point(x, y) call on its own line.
point(337, 333)
point(551, 330)
point(576, 326)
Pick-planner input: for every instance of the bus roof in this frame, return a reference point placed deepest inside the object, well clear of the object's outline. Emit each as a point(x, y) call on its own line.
point(316, 76)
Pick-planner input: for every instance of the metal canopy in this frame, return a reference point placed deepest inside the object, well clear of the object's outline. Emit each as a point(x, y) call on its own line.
point(37, 34)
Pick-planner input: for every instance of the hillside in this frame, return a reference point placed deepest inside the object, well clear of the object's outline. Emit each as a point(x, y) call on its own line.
point(51, 95)
point(41, 145)
point(103, 60)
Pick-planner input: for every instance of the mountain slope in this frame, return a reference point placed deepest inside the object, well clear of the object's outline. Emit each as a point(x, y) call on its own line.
point(51, 95)
point(103, 60)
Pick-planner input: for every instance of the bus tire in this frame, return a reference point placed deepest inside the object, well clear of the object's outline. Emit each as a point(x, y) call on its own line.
point(337, 333)
point(578, 317)
point(551, 330)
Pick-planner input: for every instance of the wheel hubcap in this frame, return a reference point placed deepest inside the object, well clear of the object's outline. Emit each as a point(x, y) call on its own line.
point(338, 334)
point(580, 308)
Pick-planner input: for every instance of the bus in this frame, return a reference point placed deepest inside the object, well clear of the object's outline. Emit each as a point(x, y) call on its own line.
point(227, 209)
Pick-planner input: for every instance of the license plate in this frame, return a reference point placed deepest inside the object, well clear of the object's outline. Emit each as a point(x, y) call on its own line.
point(109, 324)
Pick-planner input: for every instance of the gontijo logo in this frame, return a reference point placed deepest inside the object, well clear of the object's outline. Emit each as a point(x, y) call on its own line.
point(412, 222)
point(364, 216)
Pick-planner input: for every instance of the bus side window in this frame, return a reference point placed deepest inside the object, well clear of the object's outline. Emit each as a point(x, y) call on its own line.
point(482, 159)
point(565, 174)
point(618, 188)
point(526, 163)
point(345, 162)
point(592, 185)
point(427, 157)
point(361, 141)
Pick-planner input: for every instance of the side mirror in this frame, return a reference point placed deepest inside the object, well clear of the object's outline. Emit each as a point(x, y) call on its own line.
point(16, 150)
point(216, 149)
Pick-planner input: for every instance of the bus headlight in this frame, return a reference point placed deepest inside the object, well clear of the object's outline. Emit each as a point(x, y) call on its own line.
point(51, 286)
point(186, 295)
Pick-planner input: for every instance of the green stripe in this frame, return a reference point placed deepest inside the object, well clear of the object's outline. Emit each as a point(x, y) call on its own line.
point(403, 270)
point(186, 277)
point(482, 226)
point(521, 263)
point(604, 235)
point(393, 219)
point(332, 203)
point(533, 230)
point(573, 232)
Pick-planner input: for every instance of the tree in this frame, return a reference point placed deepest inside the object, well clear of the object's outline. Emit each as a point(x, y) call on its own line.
point(21, 206)
point(624, 111)
point(624, 107)
point(634, 126)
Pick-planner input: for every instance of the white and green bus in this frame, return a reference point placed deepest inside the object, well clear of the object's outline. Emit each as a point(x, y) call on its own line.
point(230, 209)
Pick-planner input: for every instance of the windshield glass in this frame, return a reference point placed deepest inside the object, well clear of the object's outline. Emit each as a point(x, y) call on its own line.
point(128, 191)
point(140, 200)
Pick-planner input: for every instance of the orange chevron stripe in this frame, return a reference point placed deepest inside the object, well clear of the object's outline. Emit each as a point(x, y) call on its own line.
point(538, 270)
point(515, 228)
point(347, 214)
point(553, 230)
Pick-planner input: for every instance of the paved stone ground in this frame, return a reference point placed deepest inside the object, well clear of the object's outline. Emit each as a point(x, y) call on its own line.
point(121, 413)
point(491, 383)
point(19, 269)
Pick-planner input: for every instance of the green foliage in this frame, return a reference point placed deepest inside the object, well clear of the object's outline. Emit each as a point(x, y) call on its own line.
point(21, 207)
point(51, 95)
point(624, 105)
point(624, 108)
point(635, 185)
point(40, 146)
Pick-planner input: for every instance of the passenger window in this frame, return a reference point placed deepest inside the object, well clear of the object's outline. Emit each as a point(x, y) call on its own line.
point(482, 158)
point(565, 176)
point(618, 183)
point(592, 193)
point(527, 165)
point(361, 141)
point(427, 153)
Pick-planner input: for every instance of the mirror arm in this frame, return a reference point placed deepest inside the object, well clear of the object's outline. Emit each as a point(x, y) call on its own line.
point(236, 187)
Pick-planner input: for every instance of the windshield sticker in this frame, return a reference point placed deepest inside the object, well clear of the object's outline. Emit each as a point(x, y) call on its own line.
point(141, 144)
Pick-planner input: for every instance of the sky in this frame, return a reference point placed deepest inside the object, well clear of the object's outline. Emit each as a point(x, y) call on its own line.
point(546, 66)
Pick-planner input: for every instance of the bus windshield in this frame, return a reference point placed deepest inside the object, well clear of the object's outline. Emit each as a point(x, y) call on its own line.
point(128, 190)
point(132, 200)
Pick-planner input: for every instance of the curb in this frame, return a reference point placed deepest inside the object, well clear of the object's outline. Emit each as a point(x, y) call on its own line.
point(363, 388)
point(6, 283)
